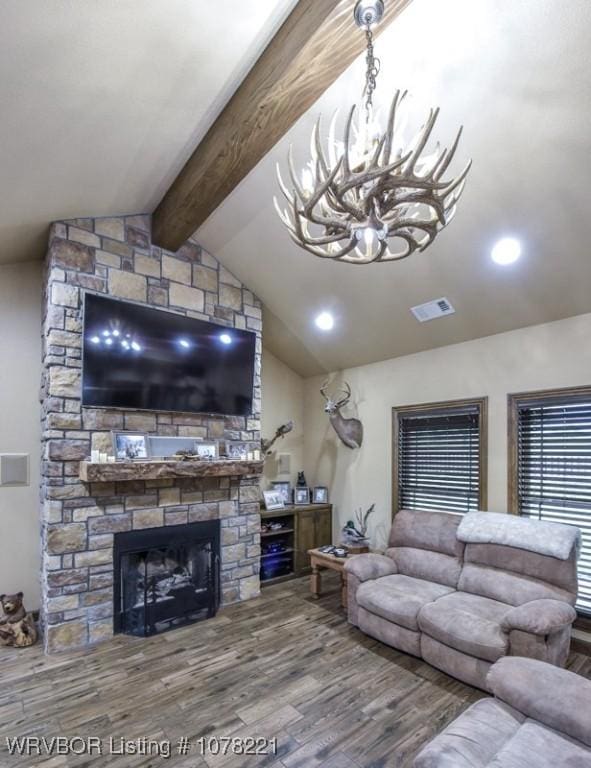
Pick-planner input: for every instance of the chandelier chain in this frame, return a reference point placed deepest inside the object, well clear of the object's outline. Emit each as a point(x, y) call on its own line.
point(373, 70)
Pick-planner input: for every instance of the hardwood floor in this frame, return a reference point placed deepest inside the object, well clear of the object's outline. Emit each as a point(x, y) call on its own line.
point(281, 666)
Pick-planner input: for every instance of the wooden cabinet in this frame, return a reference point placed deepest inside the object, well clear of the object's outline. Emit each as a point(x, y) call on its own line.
point(305, 527)
point(313, 529)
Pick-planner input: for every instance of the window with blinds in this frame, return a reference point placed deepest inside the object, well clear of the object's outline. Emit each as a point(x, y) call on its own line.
point(439, 458)
point(554, 470)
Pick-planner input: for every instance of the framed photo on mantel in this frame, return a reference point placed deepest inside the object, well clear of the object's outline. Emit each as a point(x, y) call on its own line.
point(129, 446)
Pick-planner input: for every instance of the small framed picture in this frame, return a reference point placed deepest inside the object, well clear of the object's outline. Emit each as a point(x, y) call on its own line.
point(273, 500)
point(128, 446)
point(320, 495)
point(239, 450)
point(206, 450)
point(302, 496)
point(284, 488)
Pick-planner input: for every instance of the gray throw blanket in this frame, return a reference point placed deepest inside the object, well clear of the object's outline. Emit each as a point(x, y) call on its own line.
point(553, 539)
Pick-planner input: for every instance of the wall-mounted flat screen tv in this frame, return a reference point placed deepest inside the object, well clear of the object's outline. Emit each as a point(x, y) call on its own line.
point(148, 359)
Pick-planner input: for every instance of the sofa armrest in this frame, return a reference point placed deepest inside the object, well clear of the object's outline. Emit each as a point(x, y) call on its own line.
point(539, 617)
point(555, 697)
point(370, 566)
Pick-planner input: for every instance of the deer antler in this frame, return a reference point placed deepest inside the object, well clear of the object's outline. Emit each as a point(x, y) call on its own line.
point(344, 400)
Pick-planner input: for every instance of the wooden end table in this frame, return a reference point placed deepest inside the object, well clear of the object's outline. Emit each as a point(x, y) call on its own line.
point(321, 561)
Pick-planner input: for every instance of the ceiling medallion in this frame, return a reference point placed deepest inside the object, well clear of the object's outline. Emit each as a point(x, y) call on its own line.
point(369, 197)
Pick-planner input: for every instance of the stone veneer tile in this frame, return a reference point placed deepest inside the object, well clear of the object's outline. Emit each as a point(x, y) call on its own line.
point(126, 285)
point(112, 227)
point(176, 270)
point(64, 295)
point(205, 278)
point(186, 298)
point(146, 265)
point(230, 297)
point(148, 518)
point(65, 382)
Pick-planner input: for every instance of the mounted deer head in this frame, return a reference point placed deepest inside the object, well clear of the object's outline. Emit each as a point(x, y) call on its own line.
point(349, 430)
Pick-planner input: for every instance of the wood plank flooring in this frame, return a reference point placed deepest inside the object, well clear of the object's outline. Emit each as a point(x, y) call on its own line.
point(282, 666)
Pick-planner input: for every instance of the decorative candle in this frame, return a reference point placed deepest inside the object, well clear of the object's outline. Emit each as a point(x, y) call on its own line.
point(102, 458)
point(95, 457)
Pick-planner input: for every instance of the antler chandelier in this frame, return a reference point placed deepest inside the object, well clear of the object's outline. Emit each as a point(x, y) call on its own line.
point(369, 198)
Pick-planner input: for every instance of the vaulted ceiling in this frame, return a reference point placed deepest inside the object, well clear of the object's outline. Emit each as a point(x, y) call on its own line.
point(101, 110)
point(103, 102)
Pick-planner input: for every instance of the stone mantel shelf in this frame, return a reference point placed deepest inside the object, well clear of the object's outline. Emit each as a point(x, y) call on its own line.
point(120, 471)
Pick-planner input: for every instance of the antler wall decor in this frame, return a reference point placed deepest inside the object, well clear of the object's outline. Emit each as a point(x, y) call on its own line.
point(349, 430)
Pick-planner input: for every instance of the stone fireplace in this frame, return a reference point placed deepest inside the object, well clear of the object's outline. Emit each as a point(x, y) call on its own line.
point(80, 519)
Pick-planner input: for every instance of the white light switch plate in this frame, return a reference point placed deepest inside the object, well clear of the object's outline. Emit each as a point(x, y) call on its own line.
point(284, 463)
point(14, 469)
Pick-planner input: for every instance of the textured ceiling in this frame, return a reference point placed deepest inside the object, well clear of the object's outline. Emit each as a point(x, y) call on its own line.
point(518, 76)
point(102, 102)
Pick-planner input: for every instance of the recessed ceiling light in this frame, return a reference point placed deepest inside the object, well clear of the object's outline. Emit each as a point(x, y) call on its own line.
point(225, 338)
point(184, 343)
point(325, 321)
point(109, 341)
point(506, 251)
point(95, 340)
point(135, 346)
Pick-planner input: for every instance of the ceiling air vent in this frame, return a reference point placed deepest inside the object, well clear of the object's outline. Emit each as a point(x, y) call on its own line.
point(432, 310)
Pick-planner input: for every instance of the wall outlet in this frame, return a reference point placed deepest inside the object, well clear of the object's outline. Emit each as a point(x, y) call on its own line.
point(14, 469)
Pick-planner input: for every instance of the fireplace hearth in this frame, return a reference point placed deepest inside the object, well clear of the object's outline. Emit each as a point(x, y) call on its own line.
point(166, 577)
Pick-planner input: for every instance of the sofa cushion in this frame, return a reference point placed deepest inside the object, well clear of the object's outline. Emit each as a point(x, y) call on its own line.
point(435, 531)
point(399, 598)
point(424, 564)
point(508, 587)
point(468, 623)
point(472, 739)
point(556, 697)
point(536, 746)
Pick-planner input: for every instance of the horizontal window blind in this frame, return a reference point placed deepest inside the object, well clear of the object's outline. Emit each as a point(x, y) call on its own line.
point(439, 460)
point(554, 473)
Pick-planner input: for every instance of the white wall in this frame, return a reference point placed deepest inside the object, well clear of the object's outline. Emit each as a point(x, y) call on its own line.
point(544, 356)
point(283, 400)
point(20, 372)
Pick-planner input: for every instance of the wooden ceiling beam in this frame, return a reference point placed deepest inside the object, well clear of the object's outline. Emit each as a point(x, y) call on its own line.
point(313, 47)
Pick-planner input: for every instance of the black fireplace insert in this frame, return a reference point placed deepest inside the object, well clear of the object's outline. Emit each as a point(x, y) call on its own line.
point(166, 577)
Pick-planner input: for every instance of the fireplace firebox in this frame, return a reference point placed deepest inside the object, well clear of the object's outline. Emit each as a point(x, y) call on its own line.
point(166, 577)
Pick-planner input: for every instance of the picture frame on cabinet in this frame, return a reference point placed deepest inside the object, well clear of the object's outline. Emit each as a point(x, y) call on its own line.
point(273, 500)
point(301, 496)
point(320, 495)
point(284, 488)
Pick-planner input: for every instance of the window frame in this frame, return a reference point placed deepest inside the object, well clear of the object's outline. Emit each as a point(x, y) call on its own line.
point(481, 403)
point(514, 402)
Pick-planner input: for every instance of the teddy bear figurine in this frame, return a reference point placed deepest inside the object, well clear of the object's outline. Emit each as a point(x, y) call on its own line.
point(17, 628)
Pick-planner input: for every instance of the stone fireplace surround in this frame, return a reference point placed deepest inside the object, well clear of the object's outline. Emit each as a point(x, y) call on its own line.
point(115, 257)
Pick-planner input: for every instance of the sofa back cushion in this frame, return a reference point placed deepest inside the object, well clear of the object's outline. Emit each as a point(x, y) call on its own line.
point(516, 576)
point(424, 545)
point(507, 586)
point(560, 573)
